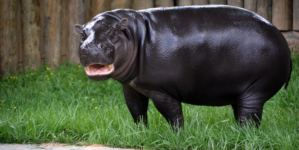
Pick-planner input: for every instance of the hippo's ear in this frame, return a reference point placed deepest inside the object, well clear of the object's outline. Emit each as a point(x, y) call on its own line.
point(123, 23)
point(79, 29)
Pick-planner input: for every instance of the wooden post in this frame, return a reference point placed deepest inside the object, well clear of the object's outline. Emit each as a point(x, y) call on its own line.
point(282, 14)
point(118, 4)
point(200, 2)
point(251, 5)
point(164, 3)
point(142, 4)
point(9, 37)
point(217, 2)
point(52, 9)
point(184, 2)
point(238, 3)
point(264, 9)
point(30, 34)
point(76, 9)
point(296, 15)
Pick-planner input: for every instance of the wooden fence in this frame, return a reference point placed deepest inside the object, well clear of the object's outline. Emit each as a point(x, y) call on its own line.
point(34, 32)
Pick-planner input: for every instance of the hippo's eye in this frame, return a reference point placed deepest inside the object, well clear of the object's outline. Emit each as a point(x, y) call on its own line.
point(83, 35)
point(113, 36)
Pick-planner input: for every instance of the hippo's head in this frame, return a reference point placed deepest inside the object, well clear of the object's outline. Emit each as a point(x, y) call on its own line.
point(103, 46)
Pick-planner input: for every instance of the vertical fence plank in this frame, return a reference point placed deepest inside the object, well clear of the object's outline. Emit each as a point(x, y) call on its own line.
point(64, 29)
point(98, 6)
point(102, 6)
point(92, 9)
point(296, 15)
point(238, 3)
point(87, 8)
point(52, 9)
point(30, 34)
point(282, 14)
point(142, 4)
point(117, 4)
point(184, 2)
point(217, 2)
point(20, 43)
point(251, 5)
point(9, 37)
point(264, 9)
point(164, 3)
point(200, 2)
point(42, 26)
point(76, 9)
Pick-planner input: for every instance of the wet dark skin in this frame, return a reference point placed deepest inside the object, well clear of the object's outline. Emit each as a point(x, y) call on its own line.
point(211, 55)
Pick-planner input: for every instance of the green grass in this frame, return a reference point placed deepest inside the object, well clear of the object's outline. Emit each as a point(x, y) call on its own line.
point(67, 107)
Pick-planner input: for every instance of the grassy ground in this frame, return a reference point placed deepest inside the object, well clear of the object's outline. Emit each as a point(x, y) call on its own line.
point(65, 106)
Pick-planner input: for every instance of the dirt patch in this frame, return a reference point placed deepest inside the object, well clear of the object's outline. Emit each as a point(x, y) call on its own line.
point(98, 145)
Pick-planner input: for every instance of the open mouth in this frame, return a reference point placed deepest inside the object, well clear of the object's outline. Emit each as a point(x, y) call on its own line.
point(99, 69)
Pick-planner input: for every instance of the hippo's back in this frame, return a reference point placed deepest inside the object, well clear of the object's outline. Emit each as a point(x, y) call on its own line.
point(182, 21)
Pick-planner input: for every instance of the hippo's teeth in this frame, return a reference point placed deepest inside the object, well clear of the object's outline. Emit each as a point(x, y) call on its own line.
point(109, 67)
point(88, 68)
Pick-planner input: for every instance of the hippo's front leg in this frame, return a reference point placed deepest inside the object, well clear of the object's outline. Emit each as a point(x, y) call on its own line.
point(170, 108)
point(137, 104)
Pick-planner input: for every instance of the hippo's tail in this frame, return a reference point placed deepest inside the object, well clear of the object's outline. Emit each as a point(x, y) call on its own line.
point(289, 77)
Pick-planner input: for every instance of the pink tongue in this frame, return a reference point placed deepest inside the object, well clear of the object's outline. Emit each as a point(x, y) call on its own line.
point(102, 70)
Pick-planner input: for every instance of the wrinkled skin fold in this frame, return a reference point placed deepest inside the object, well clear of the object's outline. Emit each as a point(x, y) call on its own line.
point(209, 55)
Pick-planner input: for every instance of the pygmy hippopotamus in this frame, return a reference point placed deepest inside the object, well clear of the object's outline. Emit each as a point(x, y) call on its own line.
point(200, 55)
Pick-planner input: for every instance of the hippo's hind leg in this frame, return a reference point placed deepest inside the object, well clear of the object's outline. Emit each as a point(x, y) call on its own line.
point(249, 111)
point(249, 106)
point(137, 104)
